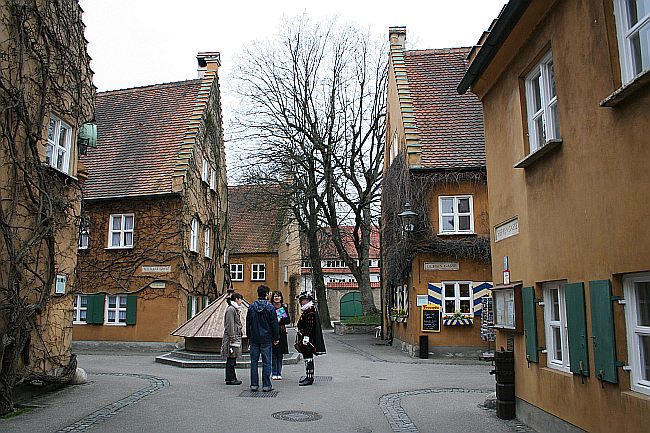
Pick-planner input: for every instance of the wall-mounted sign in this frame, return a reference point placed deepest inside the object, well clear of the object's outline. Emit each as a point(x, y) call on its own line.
point(506, 267)
point(441, 266)
point(156, 269)
point(506, 277)
point(506, 230)
point(430, 318)
point(422, 300)
point(157, 284)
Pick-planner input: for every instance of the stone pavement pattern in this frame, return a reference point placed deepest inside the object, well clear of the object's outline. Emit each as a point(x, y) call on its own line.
point(373, 389)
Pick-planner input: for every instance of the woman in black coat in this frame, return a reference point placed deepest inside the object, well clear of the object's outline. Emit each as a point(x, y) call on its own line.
point(309, 339)
point(282, 310)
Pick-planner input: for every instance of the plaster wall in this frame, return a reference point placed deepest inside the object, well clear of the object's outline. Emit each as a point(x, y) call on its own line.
point(248, 288)
point(581, 208)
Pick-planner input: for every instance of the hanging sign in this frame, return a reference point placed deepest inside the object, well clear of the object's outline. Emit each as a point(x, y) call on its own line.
point(430, 318)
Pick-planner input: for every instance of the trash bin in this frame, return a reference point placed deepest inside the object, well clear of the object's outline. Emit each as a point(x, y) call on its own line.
point(424, 347)
point(504, 371)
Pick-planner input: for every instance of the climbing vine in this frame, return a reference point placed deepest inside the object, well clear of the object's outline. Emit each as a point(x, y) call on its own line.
point(417, 188)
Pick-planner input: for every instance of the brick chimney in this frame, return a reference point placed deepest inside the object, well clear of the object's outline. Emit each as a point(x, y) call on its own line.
point(208, 61)
point(397, 36)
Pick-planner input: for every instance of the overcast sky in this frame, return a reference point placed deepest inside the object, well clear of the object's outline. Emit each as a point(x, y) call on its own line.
point(139, 42)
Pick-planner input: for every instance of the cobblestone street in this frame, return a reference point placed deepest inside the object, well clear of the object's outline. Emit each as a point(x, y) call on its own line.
point(372, 389)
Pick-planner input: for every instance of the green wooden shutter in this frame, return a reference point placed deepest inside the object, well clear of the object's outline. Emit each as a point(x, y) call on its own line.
point(189, 307)
point(95, 309)
point(574, 294)
point(602, 330)
point(131, 309)
point(530, 323)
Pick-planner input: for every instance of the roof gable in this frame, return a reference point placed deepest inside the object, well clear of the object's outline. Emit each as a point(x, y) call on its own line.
point(140, 133)
point(450, 126)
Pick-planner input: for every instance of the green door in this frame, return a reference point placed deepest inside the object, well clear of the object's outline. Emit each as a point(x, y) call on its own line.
point(351, 305)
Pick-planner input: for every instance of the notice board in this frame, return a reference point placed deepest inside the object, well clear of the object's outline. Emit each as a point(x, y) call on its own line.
point(430, 318)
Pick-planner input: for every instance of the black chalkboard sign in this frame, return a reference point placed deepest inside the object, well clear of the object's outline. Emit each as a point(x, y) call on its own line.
point(430, 318)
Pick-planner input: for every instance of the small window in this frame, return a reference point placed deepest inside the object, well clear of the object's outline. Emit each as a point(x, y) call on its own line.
point(84, 238)
point(456, 214)
point(457, 297)
point(237, 271)
point(394, 145)
point(120, 233)
point(213, 179)
point(258, 272)
point(61, 281)
point(80, 308)
point(541, 105)
point(206, 243)
point(115, 310)
point(286, 274)
point(194, 235)
point(633, 33)
point(557, 343)
point(205, 172)
point(637, 317)
point(59, 139)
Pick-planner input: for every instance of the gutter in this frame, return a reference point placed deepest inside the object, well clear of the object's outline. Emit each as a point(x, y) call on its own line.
point(508, 18)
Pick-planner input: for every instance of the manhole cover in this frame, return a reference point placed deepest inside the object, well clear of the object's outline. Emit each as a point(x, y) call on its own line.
point(319, 378)
point(364, 430)
point(258, 394)
point(297, 416)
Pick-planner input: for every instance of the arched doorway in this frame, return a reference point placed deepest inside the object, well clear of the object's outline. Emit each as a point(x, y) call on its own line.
point(350, 305)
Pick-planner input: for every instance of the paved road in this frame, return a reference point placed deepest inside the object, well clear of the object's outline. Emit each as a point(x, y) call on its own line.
point(373, 389)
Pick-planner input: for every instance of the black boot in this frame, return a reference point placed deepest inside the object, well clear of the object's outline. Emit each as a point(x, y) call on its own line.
point(309, 373)
point(231, 376)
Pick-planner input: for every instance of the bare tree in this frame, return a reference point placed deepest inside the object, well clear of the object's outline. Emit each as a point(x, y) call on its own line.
point(312, 117)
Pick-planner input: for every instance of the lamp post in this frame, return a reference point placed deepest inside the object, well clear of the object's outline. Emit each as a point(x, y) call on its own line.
point(408, 217)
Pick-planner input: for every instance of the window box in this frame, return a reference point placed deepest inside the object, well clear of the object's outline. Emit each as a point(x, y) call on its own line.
point(455, 215)
point(541, 105)
point(457, 319)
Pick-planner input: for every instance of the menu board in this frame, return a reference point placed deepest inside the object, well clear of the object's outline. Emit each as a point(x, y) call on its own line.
point(430, 318)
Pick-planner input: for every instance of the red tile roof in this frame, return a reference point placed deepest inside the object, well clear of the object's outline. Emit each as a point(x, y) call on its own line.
point(450, 125)
point(139, 135)
point(255, 224)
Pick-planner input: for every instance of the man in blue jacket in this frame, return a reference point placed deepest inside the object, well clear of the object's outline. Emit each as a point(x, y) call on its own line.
point(263, 332)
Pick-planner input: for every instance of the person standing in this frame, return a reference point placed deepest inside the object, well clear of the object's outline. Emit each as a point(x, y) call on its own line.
point(263, 332)
point(232, 337)
point(309, 338)
point(280, 349)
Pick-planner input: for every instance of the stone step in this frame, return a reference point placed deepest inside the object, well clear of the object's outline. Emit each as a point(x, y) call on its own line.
point(186, 359)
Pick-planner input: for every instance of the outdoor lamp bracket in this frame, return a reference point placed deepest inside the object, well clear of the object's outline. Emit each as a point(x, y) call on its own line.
point(408, 216)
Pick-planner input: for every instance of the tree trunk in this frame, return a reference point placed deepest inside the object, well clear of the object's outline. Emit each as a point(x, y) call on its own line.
point(317, 280)
point(7, 375)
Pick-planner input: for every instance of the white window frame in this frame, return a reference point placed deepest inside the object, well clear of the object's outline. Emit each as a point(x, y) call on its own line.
point(122, 230)
point(394, 147)
point(118, 309)
point(286, 274)
point(54, 145)
point(548, 104)
point(194, 235)
point(213, 179)
point(456, 214)
point(205, 172)
point(457, 298)
point(258, 272)
point(634, 331)
point(550, 325)
point(237, 271)
point(206, 242)
point(624, 33)
point(60, 284)
point(78, 308)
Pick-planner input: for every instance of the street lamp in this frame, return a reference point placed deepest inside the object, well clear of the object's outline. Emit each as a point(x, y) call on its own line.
point(408, 217)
